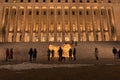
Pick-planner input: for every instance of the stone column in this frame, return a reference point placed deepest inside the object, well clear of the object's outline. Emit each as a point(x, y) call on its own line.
point(15, 26)
point(109, 24)
point(101, 23)
point(63, 24)
point(24, 25)
point(113, 36)
point(32, 24)
point(8, 24)
point(116, 11)
point(3, 24)
point(94, 31)
point(55, 25)
point(70, 22)
point(39, 24)
point(86, 32)
point(78, 26)
point(47, 26)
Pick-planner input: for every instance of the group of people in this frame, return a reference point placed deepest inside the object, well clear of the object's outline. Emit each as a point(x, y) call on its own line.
point(9, 54)
point(72, 53)
point(49, 52)
point(32, 54)
point(116, 53)
point(60, 54)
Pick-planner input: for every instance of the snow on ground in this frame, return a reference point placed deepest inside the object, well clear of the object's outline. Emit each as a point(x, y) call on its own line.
point(27, 66)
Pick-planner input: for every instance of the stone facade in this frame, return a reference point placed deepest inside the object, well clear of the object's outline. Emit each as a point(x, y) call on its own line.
point(59, 20)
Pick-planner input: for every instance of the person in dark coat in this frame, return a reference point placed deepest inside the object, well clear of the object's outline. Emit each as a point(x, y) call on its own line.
point(114, 50)
point(119, 54)
point(34, 54)
point(60, 51)
point(7, 54)
point(74, 53)
point(11, 53)
point(52, 54)
point(70, 54)
point(31, 54)
point(48, 54)
point(96, 53)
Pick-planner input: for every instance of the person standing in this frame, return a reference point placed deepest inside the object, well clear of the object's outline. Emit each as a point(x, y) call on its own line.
point(52, 54)
point(31, 54)
point(11, 53)
point(119, 54)
point(60, 51)
point(7, 54)
point(96, 53)
point(70, 54)
point(48, 54)
point(74, 53)
point(34, 54)
point(114, 50)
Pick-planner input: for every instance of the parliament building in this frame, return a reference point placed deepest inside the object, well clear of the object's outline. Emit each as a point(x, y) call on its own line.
point(59, 20)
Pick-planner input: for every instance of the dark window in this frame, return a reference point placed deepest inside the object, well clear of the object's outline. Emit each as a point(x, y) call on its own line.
point(97, 37)
point(37, 13)
point(44, 0)
point(66, 13)
point(44, 13)
point(101, 12)
point(80, 13)
point(66, 0)
point(109, 1)
point(94, 13)
point(21, 0)
point(87, 13)
point(58, 12)
point(36, 0)
point(73, 13)
point(88, 1)
point(109, 12)
point(59, 0)
point(73, 1)
point(80, 1)
point(6, 12)
point(6, 0)
point(52, 12)
point(51, 0)
point(29, 0)
point(15, 12)
point(95, 1)
point(30, 12)
point(22, 12)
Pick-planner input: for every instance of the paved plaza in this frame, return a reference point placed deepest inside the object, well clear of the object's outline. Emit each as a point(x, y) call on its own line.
point(83, 70)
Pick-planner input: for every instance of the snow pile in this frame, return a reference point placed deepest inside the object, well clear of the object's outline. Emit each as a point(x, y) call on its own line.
point(27, 66)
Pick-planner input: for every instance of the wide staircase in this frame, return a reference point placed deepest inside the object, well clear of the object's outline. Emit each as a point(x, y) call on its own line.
point(85, 50)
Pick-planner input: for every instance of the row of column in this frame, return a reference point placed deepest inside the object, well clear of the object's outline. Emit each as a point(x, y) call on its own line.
point(58, 24)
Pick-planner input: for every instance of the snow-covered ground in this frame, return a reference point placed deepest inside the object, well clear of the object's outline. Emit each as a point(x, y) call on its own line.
point(27, 66)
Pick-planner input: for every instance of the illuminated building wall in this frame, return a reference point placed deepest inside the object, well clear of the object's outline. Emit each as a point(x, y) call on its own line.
point(59, 20)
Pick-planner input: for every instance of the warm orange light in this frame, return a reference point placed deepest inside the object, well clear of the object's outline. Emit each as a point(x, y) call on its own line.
point(65, 48)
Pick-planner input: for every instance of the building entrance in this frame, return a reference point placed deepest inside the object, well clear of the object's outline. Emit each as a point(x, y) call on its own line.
point(65, 48)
